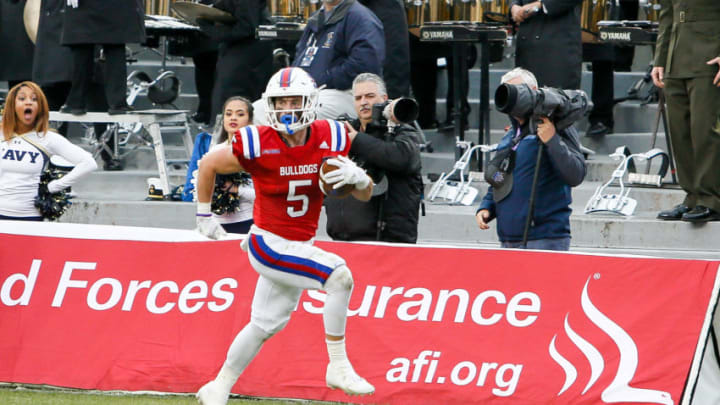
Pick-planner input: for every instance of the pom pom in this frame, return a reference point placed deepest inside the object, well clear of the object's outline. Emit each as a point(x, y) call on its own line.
point(225, 200)
point(51, 205)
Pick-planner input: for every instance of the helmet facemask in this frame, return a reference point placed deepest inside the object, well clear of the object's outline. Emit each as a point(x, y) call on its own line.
point(291, 82)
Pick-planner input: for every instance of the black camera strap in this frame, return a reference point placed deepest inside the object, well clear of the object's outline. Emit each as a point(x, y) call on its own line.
point(381, 216)
point(533, 191)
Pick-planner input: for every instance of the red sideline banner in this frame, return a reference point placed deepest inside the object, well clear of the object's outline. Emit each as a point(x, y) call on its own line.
point(427, 325)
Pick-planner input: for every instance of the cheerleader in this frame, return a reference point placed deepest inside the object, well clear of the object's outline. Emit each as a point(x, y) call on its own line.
point(26, 146)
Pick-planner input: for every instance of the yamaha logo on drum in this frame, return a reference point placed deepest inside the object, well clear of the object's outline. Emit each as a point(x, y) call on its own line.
point(437, 35)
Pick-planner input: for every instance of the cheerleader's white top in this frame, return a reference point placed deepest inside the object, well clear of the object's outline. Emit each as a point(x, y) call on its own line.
point(21, 165)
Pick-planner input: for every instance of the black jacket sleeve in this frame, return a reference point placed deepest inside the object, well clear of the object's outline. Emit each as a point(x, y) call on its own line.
point(400, 154)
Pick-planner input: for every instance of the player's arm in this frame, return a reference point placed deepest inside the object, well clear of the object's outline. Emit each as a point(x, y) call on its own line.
point(363, 194)
point(348, 172)
point(221, 161)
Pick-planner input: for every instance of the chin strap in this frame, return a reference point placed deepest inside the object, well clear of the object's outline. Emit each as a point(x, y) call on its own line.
point(288, 119)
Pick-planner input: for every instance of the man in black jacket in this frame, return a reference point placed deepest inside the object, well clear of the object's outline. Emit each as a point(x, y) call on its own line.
point(244, 62)
point(389, 151)
point(548, 40)
point(396, 69)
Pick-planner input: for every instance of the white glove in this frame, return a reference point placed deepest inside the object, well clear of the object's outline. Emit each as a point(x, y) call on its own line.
point(53, 187)
point(210, 227)
point(347, 173)
point(73, 3)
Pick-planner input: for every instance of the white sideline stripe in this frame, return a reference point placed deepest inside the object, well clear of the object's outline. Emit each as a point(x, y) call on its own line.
point(102, 232)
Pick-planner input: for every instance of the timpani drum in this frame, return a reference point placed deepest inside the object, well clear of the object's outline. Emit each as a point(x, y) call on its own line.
point(594, 11)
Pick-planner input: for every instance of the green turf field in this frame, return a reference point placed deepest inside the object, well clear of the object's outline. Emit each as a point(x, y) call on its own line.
point(13, 395)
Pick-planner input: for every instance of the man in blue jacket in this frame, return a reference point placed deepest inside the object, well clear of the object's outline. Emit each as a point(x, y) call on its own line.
point(340, 41)
point(562, 167)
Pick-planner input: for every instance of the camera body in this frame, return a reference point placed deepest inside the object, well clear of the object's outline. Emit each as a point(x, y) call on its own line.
point(378, 114)
point(563, 107)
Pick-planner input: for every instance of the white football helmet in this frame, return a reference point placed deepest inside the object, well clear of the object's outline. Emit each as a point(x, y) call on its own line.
point(291, 81)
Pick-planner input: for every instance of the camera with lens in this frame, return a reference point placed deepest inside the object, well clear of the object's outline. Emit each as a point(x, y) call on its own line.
point(394, 112)
point(563, 107)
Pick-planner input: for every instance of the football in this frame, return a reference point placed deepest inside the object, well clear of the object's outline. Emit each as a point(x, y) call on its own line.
point(341, 192)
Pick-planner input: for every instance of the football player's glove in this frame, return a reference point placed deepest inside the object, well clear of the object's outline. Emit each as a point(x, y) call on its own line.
point(347, 173)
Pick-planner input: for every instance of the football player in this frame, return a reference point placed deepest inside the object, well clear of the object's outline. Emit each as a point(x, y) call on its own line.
point(284, 160)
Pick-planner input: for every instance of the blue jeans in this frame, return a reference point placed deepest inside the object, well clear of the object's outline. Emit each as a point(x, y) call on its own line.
point(540, 244)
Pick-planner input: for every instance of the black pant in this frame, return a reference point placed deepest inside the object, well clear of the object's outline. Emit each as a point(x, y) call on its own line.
point(115, 75)
point(469, 53)
point(205, 79)
point(603, 93)
point(423, 78)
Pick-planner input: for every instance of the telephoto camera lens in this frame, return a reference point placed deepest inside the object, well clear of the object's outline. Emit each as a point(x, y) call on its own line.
point(405, 110)
point(563, 107)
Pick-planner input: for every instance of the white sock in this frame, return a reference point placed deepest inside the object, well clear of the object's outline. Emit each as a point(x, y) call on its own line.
point(227, 377)
point(336, 350)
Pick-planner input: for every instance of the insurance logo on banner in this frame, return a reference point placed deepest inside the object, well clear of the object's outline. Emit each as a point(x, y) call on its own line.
point(427, 325)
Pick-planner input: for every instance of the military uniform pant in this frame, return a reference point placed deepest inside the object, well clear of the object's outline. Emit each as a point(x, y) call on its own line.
point(693, 107)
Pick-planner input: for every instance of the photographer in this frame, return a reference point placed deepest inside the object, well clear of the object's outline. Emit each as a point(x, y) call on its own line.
point(389, 151)
point(561, 166)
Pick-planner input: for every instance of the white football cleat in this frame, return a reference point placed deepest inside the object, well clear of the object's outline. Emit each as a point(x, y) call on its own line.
point(341, 375)
point(212, 394)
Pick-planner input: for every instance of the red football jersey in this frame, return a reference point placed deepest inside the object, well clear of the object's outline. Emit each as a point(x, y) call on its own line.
point(288, 198)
